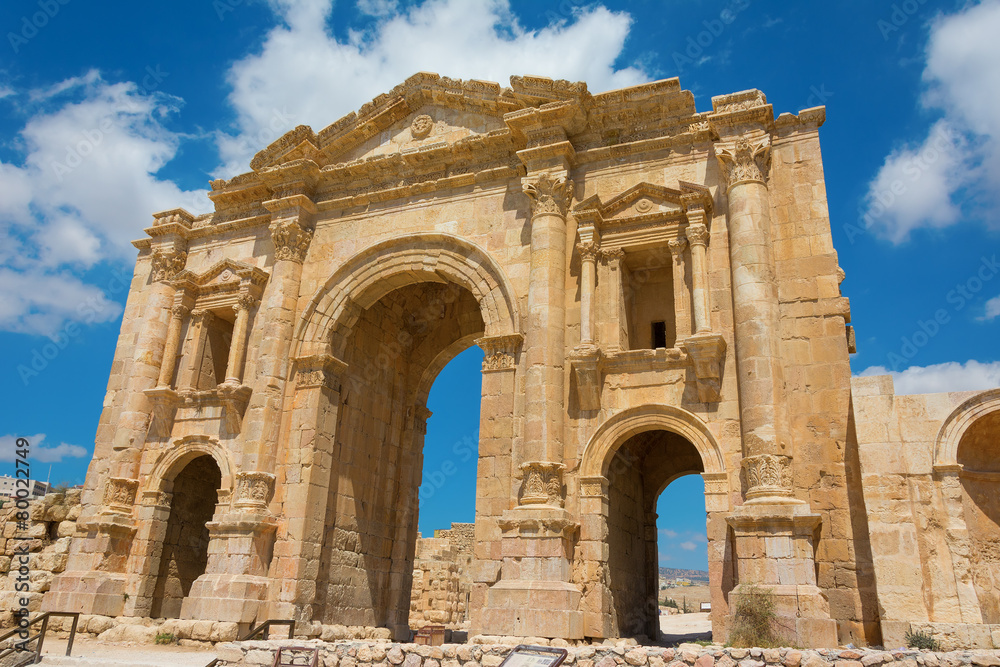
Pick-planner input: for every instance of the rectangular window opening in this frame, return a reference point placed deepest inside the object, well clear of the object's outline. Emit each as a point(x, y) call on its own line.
point(659, 334)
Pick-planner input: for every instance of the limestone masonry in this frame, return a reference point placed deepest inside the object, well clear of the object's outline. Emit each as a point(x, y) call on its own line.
point(657, 294)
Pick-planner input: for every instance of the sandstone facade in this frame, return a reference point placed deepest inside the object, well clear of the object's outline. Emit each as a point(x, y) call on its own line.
point(442, 578)
point(657, 294)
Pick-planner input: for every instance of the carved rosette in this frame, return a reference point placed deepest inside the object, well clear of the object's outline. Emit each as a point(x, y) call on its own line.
point(167, 264)
point(500, 351)
point(254, 490)
point(321, 370)
point(745, 160)
point(550, 195)
point(542, 483)
point(697, 234)
point(291, 241)
point(119, 494)
point(767, 475)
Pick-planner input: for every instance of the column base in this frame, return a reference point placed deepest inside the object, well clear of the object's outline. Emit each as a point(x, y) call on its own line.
point(774, 547)
point(236, 598)
point(98, 593)
point(532, 609)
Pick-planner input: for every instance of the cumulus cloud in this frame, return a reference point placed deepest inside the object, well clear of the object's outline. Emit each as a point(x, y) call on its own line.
point(318, 78)
point(950, 376)
point(85, 187)
point(918, 186)
point(992, 309)
point(37, 451)
point(666, 532)
point(688, 546)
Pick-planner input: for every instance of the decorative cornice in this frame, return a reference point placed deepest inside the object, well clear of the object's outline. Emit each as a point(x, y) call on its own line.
point(291, 241)
point(745, 160)
point(320, 370)
point(550, 194)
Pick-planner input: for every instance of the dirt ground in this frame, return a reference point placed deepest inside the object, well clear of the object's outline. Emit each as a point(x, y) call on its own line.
point(695, 596)
point(677, 628)
point(120, 654)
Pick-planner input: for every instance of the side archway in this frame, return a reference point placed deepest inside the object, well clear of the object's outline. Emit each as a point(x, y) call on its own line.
point(185, 450)
point(383, 267)
point(958, 422)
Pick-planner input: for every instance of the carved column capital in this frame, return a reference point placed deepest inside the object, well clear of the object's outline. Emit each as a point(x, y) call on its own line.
point(167, 263)
point(291, 241)
point(612, 256)
point(588, 251)
point(767, 475)
point(201, 315)
point(244, 301)
point(542, 483)
point(180, 311)
point(549, 194)
point(745, 160)
point(500, 351)
point(321, 370)
point(677, 246)
point(697, 234)
point(254, 490)
point(119, 494)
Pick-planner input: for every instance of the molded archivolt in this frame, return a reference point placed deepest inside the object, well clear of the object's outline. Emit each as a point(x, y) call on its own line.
point(172, 461)
point(374, 272)
point(631, 421)
point(958, 422)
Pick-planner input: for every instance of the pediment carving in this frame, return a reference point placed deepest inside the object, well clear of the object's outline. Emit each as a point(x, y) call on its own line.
point(644, 202)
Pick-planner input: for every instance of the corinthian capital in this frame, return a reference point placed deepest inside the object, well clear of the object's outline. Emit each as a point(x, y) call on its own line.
point(697, 234)
point(290, 240)
point(745, 160)
point(548, 193)
point(168, 263)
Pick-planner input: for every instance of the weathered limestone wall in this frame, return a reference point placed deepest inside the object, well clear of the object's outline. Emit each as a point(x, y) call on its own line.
point(442, 578)
point(924, 482)
point(627, 562)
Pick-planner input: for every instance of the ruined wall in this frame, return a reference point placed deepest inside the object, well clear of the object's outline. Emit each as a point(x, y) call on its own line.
point(442, 578)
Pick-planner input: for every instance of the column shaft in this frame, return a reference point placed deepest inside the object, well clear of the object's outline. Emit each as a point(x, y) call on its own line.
point(588, 281)
point(682, 295)
point(698, 238)
point(199, 339)
point(171, 347)
point(234, 367)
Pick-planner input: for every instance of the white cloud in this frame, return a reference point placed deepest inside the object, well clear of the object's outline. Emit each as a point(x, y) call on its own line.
point(666, 532)
point(949, 376)
point(37, 452)
point(84, 189)
point(377, 7)
point(992, 309)
point(911, 191)
point(319, 79)
point(688, 546)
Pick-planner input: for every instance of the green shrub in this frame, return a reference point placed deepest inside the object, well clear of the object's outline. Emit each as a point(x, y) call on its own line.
point(753, 618)
point(670, 602)
point(165, 638)
point(920, 639)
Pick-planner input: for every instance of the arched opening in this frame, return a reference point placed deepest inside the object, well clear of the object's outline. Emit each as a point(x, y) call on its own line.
point(393, 351)
point(979, 455)
point(639, 471)
point(184, 552)
point(442, 577)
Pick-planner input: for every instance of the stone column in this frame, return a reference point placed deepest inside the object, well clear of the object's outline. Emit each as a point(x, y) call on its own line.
point(534, 596)
point(588, 284)
point(697, 236)
point(682, 295)
point(613, 257)
point(172, 347)
point(773, 532)
point(746, 163)
point(234, 367)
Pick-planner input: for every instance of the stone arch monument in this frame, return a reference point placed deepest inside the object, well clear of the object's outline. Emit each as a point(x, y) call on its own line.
point(657, 294)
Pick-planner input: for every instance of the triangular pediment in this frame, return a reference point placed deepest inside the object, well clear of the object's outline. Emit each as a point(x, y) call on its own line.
point(224, 274)
point(644, 200)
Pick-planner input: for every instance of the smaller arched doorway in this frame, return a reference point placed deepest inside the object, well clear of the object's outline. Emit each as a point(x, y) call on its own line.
point(629, 461)
point(184, 550)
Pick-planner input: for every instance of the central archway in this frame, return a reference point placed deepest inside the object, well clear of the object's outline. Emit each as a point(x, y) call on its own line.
point(388, 321)
point(627, 464)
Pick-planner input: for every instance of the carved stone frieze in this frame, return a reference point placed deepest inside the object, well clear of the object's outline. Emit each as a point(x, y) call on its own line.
point(291, 241)
point(254, 490)
point(500, 351)
point(745, 160)
point(321, 370)
point(549, 194)
point(542, 483)
point(119, 493)
point(167, 264)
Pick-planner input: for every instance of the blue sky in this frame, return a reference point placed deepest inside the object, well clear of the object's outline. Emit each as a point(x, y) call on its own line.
point(111, 111)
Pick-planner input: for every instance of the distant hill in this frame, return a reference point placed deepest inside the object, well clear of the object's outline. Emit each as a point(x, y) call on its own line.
point(674, 573)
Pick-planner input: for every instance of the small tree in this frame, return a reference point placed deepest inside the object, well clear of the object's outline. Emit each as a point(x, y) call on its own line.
point(754, 618)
